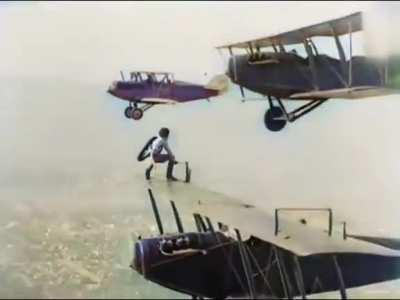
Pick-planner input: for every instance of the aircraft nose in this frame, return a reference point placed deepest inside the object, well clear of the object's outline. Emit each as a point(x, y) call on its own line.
point(139, 258)
point(112, 87)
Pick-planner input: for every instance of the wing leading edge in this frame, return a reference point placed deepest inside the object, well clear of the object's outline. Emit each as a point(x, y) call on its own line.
point(340, 26)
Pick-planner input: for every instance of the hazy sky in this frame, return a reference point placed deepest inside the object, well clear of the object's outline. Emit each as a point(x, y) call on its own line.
point(93, 41)
point(57, 121)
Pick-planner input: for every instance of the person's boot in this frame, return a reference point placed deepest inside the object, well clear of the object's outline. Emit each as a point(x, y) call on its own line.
point(148, 171)
point(172, 178)
point(170, 170)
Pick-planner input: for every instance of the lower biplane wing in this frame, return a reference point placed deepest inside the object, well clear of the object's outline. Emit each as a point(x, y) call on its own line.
point(385, 242)
point(345, 93)
point(276, 258)
point(158, 101)
point(257, 222)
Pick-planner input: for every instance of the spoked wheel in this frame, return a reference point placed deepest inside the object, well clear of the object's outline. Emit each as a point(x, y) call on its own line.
point(128, 112)
point(273, 119)
point(137, 114)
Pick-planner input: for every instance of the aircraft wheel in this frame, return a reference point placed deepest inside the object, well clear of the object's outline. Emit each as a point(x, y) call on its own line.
point(270, 119)
point(137, 114)
point(128, 112)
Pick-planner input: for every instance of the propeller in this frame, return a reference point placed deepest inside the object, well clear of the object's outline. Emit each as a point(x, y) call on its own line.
point(219, 83)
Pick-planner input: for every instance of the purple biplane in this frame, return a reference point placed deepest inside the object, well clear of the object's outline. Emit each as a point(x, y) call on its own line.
point(151, 88)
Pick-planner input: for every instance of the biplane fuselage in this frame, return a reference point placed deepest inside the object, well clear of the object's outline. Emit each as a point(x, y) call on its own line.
point(178, 91)
point(152, 88)
point(269, 69)
point(288, 74)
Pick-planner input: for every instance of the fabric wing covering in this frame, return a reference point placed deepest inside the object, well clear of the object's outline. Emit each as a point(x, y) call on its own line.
point(340, 26)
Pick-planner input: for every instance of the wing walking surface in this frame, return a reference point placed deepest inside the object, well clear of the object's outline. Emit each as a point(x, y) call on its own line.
point(345, 93)
point(340, 26)
point(300, 239)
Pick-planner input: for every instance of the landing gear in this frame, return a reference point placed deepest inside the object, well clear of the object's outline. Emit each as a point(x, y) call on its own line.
point(128, 112)
point(276, 117)
point(134, 112)
point(137, 114)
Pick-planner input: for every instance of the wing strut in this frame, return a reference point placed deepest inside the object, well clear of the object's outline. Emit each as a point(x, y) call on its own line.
point(228, 257)
point(177, 218)
point(209, 224)
point(261, 272)
point(246, 265)
point(156, 213)
point(340, 278)
point(299, 276)
point(122, 75)
point(201, 226)
point(350, 55)
point(282, 272)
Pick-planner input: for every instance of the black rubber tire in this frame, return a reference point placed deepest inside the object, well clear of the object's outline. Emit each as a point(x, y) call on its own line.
point(128, 112)
point(269, 119)
point(137, 114)
point(142, 154)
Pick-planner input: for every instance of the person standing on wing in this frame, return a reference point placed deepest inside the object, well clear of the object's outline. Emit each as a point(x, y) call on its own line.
point(159, 144)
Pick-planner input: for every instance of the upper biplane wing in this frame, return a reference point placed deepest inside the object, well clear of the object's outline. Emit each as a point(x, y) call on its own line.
point(300, 239)
point(345, 93)
point(152, 72)
point(340, 26)
point(157, 76)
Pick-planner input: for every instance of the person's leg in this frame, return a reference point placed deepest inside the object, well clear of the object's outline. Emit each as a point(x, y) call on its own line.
point(148, 171)
point(170, 169)
point(158, 158)
point(161, 158)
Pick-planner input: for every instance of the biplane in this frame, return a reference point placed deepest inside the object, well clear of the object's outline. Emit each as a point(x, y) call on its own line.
point(269, 68)
point(271, 256)
point(146, 89)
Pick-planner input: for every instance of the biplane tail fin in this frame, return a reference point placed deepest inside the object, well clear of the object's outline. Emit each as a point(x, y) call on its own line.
point(219, 83)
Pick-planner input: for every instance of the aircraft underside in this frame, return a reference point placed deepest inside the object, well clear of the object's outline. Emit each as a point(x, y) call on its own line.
point(256, 268)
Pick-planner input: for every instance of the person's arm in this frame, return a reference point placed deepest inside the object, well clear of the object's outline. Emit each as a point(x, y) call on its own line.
point(166, 147)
